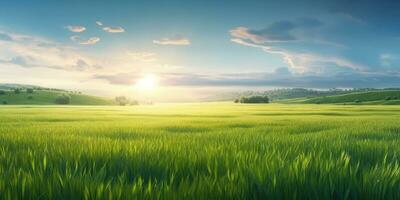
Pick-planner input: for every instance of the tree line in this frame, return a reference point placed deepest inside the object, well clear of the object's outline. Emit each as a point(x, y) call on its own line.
point(252, 99)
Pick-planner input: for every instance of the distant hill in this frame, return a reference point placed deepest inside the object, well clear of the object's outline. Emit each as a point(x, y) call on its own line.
point(8, 86)
point(45, 96)
point(385, 97)
point(290, 93)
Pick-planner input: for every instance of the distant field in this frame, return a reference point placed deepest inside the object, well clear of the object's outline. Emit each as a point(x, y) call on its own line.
point(47, 97)
point(200, 151)
point(369, 98)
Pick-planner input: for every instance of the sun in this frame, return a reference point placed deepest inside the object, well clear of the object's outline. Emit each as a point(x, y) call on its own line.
point(148, 82)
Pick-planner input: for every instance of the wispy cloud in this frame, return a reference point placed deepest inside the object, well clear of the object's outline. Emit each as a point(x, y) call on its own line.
point(303, 62)
point(142, 56)
point(34, 52)
point(175, 40)
point(245, 33)
point(5, 37)
point(285, 37)
point(281, 77)
point(110, 29)
point(89, 41)
point(30, 62)
point(118, 79)
point(280, 31)
point(116, 29)
point(76, 29)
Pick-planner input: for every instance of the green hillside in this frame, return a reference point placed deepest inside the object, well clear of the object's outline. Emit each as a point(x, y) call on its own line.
point(47, 97)
point(10, 86)
point(389, 97)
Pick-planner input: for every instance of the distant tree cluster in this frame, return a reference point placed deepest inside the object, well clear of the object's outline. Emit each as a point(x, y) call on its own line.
point(123, 101)
point(391, 98)
point(29, 90)
point(134, 102)
point(19, 90)
point(253, 99)
point(2, 92)
point(52, 89)
point(63, 99)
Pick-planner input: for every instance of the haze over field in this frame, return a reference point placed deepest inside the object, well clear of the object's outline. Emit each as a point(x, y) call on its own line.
point(186, 50)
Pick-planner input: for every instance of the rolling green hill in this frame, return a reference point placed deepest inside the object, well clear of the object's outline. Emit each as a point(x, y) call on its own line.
point(388, 97)
point(285, 94)
point(47, 97)
point(9, 86)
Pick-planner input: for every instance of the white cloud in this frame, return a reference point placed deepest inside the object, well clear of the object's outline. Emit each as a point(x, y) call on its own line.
point(116, 29)
point(51, 64)
point(99, 23)
point(176, 40)
point(244, 33)
point(76, 29)
point(5, 37)
point(314, 63)
point(89, 41)
point(34, 52)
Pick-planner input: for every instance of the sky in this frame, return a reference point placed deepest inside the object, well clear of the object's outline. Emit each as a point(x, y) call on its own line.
point(194, 49)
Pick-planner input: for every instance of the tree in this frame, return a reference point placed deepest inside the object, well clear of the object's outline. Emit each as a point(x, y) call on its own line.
point(122, 100)
point(254, 99)
point(30, 97)
point(134, 102)
point(389, 98)
point(236, 101)
point(2, 92)
point(17, 91)
point(29, 90)
point(5, 102)
point(63, 99)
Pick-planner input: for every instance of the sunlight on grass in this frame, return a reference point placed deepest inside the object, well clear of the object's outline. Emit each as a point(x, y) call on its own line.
point(200, 150)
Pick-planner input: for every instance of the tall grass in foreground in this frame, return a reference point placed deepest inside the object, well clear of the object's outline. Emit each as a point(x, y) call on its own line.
point(200, 151)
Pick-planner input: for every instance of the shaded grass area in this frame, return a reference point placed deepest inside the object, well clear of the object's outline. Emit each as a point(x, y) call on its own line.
point(48, 97)
point(200, 151)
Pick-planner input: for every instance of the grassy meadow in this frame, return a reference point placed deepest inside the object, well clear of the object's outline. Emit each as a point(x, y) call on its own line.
point(200, 151)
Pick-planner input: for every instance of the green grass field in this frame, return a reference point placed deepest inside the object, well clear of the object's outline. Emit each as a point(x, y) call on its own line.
point(200, 151)
point(47, 97)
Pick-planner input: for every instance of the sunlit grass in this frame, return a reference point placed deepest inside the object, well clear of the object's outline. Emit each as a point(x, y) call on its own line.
point(200, 151)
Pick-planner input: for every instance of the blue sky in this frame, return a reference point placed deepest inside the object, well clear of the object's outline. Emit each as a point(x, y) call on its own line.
point(193, 45)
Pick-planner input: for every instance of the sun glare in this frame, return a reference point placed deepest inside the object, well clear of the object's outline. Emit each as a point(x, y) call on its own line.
point(148, 82)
